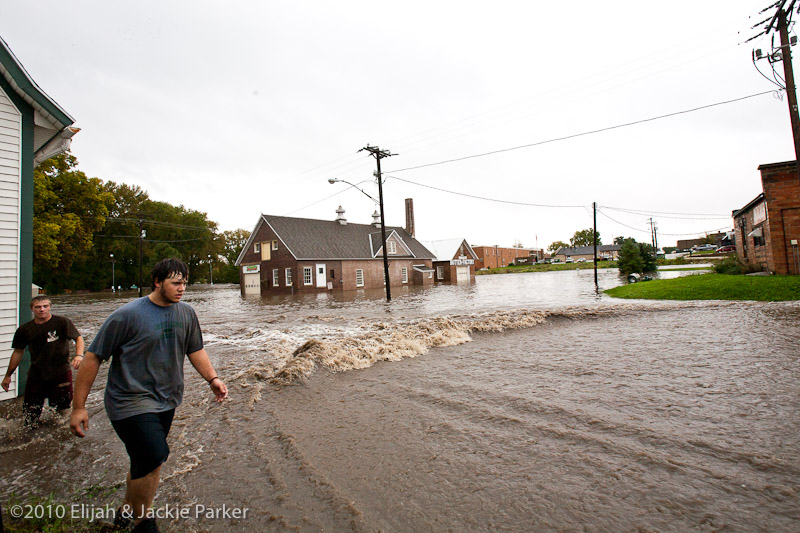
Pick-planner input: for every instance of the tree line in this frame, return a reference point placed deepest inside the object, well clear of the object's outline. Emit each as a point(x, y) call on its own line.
point(86, 232)
point(634, 256)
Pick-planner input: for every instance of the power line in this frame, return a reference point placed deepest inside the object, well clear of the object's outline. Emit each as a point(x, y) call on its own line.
point(666, 214)
point(585, 133)
point(484, 197)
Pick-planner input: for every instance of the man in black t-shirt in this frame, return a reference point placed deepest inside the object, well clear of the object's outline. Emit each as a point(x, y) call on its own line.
point(47, 338)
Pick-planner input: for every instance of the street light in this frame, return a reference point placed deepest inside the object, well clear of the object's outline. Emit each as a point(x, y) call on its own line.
point(210, 273)
point(113, 280)
point(383, 230)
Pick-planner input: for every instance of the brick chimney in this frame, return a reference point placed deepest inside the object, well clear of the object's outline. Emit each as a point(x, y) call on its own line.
point(410, 216)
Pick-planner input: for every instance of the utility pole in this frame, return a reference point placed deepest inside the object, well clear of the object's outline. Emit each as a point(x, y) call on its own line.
point(141, 253)
point(379, 154)
point(594, 238)
point(780, 21)
point(788, 74)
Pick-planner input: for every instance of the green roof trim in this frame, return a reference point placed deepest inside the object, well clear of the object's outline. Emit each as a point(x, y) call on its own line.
point(23, 84)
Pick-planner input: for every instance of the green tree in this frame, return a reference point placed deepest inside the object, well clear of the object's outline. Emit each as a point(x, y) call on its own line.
point(555, 245)
point(232, 243)
point(636, 258)
point(584, 237)
point(68, 209)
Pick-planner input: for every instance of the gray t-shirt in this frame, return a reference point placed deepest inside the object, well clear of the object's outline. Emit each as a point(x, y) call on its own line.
point(147, 344)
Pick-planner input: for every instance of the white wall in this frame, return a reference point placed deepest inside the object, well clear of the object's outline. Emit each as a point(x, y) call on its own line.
point(10, 179)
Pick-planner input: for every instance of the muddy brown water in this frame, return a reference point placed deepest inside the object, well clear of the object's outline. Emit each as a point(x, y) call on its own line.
point(522, 403)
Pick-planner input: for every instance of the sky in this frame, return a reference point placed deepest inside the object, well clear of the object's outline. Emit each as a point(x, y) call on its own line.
point(240, 108)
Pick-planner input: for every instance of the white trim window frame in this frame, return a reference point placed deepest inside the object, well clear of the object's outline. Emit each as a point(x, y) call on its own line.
point(439, 272)
point(276, 277)
point(404, 274)
point(359, 277)
point(391, 248)
point(257, 248)
point(274, 245)
point(288, 274)
point(308, 276)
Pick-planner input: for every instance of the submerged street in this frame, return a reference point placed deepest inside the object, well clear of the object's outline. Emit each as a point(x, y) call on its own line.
point(522, 402)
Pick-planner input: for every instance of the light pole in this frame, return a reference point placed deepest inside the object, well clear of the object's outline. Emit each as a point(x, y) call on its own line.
point(113, 280)
point(210, 273)
point(383, 230)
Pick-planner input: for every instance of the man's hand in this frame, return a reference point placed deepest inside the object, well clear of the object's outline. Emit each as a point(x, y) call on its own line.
point(6, 383)
point(79, 421)
point(76, 361)
point(219, 389)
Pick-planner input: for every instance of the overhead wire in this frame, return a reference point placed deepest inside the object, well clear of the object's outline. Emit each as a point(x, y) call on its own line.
point(585, 133)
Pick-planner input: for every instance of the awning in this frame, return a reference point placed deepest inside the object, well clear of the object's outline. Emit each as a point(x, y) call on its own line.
point(756, 233)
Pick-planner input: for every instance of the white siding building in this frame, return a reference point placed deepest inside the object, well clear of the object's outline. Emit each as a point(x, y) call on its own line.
point(33, 128)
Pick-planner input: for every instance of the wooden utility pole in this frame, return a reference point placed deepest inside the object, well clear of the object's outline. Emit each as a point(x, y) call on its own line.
point(788, 75)
point(379, 154)
point(594, 239)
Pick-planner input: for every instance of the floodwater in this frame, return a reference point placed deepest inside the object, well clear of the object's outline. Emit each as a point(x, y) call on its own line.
point(525, 402)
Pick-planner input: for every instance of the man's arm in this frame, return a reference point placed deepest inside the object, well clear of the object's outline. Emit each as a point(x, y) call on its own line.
point(79, 418)
point(202, 364)
point(79, 348)
point(16, 359)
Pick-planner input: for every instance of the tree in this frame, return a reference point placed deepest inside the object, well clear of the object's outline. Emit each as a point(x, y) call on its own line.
point(554, 246)
point(636, 257)
point(232, 244)
point(68, 209)
point(584, 237)
point(619, 241)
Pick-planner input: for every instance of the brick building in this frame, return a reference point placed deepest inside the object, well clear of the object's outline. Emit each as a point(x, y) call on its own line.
point(495, 256)
point(454, 260)
point(287, 255)
point(768, 227)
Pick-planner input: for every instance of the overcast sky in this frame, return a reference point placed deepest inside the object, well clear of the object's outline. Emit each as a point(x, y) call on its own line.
point(240, 108)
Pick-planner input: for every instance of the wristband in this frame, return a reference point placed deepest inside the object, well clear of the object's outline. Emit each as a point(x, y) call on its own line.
point(212, 379)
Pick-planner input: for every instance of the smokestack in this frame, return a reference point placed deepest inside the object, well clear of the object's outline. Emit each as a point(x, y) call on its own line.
point(410, 216)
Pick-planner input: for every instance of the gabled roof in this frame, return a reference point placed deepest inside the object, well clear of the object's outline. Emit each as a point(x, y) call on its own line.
point(588, 250)
point(446, 249)
point(311, 239)
point(758, 199)
point(51, 123)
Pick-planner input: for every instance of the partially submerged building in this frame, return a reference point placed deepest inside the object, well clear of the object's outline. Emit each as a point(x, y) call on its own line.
point(454, 260)
point(768, 227)
point(33, 128)
point(288, 255)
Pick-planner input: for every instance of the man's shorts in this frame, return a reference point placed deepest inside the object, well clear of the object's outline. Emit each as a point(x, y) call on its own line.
point(145, 439)
point(57, 391)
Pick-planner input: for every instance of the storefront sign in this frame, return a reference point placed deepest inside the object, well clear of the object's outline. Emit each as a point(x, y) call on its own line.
point(251, 269)
point(459, 262)
point(760, 213)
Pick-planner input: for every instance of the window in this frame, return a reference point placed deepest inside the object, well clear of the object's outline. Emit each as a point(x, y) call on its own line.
point(274, 245)
point(257, 248)
point(332, 276)
point(359, 277)
point(306, 275)
point(391, 247)
point(288, 277)
point(439, 272)
point(404, 274)
point(276, 277)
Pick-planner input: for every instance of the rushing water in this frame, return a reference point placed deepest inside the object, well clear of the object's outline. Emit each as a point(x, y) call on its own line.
point(527, 402)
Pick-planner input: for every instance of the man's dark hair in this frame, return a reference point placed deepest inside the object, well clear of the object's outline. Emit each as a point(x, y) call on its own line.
point(167, 268)
point(40, 298)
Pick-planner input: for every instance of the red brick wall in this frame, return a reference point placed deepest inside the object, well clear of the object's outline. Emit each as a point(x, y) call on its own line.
point(782, 194)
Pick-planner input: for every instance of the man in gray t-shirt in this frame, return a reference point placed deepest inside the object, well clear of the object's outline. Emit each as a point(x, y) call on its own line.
point(146, 341)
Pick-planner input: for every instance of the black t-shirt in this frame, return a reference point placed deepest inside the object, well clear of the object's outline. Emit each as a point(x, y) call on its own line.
point(48, 344)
